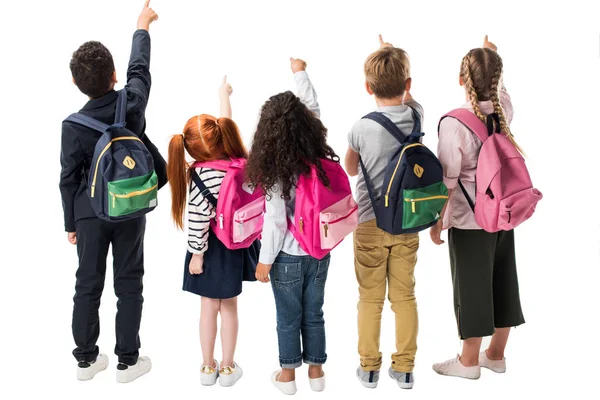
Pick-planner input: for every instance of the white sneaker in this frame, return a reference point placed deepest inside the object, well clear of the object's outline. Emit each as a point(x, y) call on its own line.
point(86, 371)
point(317, 384)
point(285, 387)
point(228, 376)
point(209, 374)
point(498, 366)
point(129, 373)
point(454, 367)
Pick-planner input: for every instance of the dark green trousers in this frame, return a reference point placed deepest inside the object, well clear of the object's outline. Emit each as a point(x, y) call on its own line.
point(484, 276)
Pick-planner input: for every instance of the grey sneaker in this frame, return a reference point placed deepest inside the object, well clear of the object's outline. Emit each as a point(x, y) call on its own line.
point(368, 379)
point(405, 380)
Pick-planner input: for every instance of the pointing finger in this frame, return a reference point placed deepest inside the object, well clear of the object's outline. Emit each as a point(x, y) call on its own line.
point(225, 79)
point(380, 39)
point(147, 4)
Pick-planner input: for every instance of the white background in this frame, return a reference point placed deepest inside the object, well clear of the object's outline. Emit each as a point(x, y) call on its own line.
point(551, 57)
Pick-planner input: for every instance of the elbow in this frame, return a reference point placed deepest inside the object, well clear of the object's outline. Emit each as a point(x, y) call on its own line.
point(351, 169)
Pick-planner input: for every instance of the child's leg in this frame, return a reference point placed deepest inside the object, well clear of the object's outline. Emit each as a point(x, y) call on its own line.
point(401, 281)
point(229, 330)
point(209, 309)
point(313, 323)
point(128, 266)
point(287, 282)
point(470, 352)
point(93, 241)
point(496, 349)
point(370, 261)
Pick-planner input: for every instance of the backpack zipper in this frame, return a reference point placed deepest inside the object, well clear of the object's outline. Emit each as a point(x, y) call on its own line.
point(387, 195)
point(104, 150)
point(301, 225)
point(221, 221)
point(414, 201)
point(132, 194)
point(326, 224)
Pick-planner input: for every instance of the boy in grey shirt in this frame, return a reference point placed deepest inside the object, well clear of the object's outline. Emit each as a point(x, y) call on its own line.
point(380, 257)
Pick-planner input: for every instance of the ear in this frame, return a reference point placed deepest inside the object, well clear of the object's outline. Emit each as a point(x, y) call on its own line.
point(113, 78)
point(461, 82)
point(368, 88)
point(408, 85)
point(73, 79)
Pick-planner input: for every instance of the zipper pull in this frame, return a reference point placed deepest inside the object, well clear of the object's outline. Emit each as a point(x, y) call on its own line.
point(414, 205)
point(93, 190)
point(221, 221)
point(114, 200)
point(301, 225)
point(241, 226)
point(326, 227)
point(386, 200)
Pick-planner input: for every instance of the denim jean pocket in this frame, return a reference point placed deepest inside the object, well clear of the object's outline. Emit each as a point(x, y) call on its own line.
point(286, 275)
point(322, 269)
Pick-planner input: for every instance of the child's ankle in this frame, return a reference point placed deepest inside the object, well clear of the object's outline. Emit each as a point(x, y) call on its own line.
point(315, 371)
point(468, 362)
point(287, 375)
point(494, 356)
point(211, 363)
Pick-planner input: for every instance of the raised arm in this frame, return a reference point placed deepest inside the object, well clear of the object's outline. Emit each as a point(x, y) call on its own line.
point(138, 72)
point(306, 91)
point(225, 92)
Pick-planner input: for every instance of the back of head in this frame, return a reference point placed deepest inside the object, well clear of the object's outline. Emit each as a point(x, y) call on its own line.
point(481, 71)
point(204, 138)
point(92, 68)
point(289, 139)
point(386, 72)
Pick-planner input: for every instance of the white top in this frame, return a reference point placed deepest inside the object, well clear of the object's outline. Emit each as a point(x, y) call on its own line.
point(275, 236)
point(200, 210)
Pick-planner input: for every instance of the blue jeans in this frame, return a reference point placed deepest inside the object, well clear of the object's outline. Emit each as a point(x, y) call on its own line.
point(299, 288)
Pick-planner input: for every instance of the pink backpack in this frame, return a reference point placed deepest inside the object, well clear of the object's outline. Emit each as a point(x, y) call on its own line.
point(323, 215)
point(240, 207)
point(505, 195)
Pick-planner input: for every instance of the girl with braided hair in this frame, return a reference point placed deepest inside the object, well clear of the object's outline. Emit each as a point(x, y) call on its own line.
point(484, 274)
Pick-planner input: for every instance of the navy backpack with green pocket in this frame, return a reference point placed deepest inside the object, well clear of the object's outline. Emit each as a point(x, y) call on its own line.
point(413, 192)
point(122, 183)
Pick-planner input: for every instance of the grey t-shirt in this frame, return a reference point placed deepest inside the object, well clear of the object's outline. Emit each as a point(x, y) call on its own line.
point(376, 146)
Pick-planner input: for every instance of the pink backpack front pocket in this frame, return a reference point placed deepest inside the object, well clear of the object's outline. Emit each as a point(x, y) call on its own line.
point(248, 220)
point(338, 221)
point(517, 208)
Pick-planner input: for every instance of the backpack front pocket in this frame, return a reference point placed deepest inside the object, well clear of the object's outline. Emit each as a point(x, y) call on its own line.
point(338, 221)
point(248, 220)
point(423, 206)
point(133, 194)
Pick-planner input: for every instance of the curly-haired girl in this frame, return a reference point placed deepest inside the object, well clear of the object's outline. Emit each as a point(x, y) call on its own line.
point(290, 138)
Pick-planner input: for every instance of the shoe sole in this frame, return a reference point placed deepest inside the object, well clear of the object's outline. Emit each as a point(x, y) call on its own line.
point(225, 382)
point(498, 371)
point(402, 385)
point(127, 379)
point(204, 382)
point(458, 376)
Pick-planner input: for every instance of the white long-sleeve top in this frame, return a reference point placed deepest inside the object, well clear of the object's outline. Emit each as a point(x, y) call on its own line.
point(276, 236)
point(200, 210)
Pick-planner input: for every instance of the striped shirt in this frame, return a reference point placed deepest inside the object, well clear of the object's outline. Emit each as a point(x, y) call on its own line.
point(201, 211)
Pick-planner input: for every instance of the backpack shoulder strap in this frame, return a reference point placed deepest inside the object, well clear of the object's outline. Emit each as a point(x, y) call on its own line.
point(203, 189)
point(121, 109)
point(370, 187)
point(220, 165)
point(387, 124)
point(470, 120)
point(88, 122)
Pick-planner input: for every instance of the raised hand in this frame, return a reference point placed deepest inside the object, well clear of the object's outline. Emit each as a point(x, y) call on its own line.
point(147, 16)
point(297, 64)
point(488, 44)
point(225, 90)
point(383, 44)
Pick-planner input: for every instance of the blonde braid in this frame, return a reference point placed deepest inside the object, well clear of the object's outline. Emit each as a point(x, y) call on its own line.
point(495, 89)
point(468, 80)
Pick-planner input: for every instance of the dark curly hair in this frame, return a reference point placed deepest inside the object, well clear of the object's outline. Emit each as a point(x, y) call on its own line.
point(288, 140)
point(92, 67)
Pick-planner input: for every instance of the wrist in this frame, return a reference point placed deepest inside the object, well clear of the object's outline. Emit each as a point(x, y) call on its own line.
point(143, 24)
